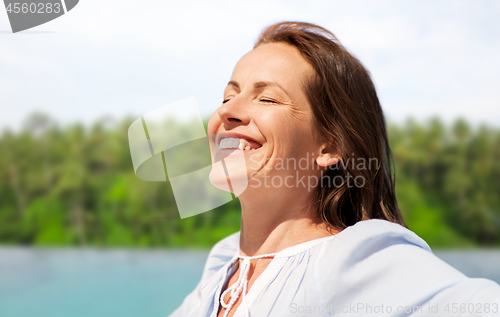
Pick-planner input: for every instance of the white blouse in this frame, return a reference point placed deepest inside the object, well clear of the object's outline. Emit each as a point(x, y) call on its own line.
point(373, 268)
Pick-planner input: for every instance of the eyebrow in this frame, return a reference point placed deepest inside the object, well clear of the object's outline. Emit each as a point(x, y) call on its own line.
point(260, 84)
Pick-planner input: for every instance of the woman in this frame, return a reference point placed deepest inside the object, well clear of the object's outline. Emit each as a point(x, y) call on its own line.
point(300, 137)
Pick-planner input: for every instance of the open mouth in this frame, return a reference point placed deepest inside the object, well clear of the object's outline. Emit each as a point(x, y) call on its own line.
point(238, 144)
point(231, 143)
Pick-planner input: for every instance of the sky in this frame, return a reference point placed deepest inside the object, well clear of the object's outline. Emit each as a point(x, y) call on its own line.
point(127, 57)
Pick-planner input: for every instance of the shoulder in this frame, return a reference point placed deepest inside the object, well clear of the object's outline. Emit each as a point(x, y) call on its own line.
point(377, 256)
point(371, 235)
point(367, 239)
point(221, 253)
point(378, 243)
point(377, 261)
point(227, 246)
point(372, 244)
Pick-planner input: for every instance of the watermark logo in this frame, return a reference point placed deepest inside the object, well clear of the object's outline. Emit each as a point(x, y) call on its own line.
point(26, 14)
point(170, 143)
point(207, 171)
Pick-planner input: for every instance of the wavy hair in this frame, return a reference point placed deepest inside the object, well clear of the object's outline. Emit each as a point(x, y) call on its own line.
point(347, 117)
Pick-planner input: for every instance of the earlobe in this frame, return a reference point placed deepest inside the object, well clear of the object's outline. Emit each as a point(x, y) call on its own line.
point(326, 159)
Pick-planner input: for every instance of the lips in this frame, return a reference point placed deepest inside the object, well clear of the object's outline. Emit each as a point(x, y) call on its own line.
point(231, 142)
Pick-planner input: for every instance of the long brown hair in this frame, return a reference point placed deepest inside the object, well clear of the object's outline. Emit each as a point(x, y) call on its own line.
point(349, 118)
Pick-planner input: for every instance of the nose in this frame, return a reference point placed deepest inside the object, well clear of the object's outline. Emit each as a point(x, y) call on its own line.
point(233, 113)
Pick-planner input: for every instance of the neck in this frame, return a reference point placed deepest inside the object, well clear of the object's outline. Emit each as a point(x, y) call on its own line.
point(278, 219)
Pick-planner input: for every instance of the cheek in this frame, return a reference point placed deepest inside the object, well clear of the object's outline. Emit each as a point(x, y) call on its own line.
point(291, 136)
point(283, 125)
point(276, 123)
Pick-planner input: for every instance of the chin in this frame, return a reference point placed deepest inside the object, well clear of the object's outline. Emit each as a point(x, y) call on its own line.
point(236, 179)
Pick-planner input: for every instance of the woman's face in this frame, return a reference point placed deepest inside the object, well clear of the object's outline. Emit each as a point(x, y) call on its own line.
point(266, 120)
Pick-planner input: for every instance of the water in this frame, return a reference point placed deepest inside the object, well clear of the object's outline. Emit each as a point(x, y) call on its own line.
point(95, 283)
point(131, 283)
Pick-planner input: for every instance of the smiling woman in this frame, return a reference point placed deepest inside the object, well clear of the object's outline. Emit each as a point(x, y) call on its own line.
point(300, 138)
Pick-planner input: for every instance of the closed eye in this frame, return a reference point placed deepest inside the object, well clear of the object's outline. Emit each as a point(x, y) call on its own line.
point(268, 100)
point(262, 100)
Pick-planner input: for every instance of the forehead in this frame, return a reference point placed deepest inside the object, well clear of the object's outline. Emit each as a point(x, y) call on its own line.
point(277, 62)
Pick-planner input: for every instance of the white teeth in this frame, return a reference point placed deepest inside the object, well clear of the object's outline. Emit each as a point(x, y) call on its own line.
point(229, 143)
point(233, 143)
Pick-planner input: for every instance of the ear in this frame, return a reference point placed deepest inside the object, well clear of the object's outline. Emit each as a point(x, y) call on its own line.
point(325, 158)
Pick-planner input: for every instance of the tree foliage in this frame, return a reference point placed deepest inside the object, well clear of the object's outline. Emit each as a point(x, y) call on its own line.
point(76, 186)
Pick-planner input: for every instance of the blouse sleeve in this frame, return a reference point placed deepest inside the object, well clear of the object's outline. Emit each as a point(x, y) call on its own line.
point(190, 304)
point(386, 267)
point(200, 300)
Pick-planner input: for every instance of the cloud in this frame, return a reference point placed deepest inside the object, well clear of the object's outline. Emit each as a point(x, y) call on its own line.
point(128, 57)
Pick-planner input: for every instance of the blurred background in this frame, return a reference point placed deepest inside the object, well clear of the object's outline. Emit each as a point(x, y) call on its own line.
point(81, 235)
